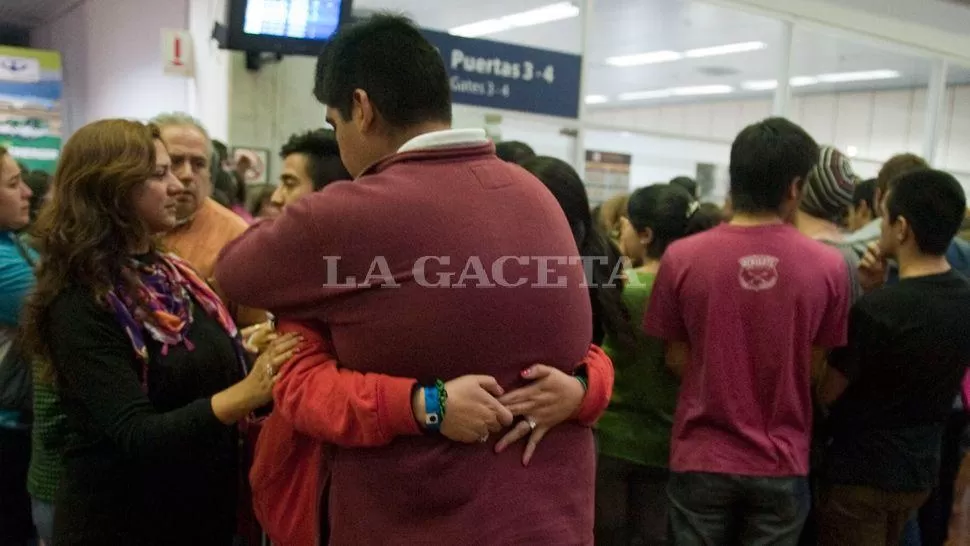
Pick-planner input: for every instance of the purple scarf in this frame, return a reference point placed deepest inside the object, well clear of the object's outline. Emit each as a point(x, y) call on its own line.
point(160, 303)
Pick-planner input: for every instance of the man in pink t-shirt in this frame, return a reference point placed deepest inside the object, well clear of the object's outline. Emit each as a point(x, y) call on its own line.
point(741, 307)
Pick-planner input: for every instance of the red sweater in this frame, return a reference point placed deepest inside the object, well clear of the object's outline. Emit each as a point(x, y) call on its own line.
point(348, 409)
point(465, 204)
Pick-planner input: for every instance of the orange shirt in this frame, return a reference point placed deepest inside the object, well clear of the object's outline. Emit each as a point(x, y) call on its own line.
point(199, 242)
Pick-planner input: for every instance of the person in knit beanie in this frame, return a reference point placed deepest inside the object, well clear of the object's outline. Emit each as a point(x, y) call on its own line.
point(826, 197)
point(829, 187)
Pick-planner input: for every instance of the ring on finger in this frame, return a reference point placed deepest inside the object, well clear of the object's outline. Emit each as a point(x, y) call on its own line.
point(270, 372)
point(483, 438)
point(531, 422)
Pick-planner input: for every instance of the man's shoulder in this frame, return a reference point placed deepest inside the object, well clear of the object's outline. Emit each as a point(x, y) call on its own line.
point(891, 300)
point(820, 254)
point(834, 251)
point(229, 219)
point(700, 242)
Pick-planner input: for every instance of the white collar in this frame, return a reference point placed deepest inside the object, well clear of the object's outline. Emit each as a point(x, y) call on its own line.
point(449, 138)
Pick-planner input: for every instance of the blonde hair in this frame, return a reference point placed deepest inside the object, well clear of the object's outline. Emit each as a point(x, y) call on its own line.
point(611, 211)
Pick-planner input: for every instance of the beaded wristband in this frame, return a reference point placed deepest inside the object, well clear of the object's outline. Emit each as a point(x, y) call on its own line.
point(439, 385)
point(582, 381)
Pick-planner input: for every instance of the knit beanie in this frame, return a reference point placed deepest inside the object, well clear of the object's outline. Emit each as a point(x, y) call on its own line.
point(830, 185)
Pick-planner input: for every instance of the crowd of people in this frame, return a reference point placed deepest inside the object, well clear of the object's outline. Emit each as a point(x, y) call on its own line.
point(419, 336)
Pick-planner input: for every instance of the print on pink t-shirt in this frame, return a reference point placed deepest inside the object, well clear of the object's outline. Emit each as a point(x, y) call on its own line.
point(751, 302)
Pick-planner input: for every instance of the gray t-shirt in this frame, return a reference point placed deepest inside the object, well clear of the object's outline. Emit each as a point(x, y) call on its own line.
point(852, 262)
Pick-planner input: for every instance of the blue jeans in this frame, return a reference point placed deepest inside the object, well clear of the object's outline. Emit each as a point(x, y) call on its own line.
point(715, 509)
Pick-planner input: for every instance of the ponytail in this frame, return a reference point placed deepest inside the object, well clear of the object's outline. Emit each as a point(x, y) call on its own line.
point(670, 213)
point(702, 218)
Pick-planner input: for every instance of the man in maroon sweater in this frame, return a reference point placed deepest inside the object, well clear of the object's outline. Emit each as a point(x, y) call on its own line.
point(440, 260)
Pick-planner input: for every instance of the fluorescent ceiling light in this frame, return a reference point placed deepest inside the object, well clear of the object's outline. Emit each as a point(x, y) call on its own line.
point(759, 85)
point(654, 57)
point(638, 59)
point(642, 95)
point(538, 16)
point(838, 77)
point(677, 92)
point(770, 85)
point(728, 49)
point(858, 76)
point(481, 28)
point(802, 81)
point(702, 90)
point(545, 14)
point(597, 99)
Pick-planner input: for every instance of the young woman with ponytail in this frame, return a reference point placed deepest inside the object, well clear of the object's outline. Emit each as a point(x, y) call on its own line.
point(634, 433)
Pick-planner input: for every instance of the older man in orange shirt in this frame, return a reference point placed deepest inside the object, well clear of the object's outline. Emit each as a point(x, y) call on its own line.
point(204, 225)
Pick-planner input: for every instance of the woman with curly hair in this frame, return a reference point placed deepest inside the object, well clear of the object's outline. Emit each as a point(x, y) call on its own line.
point(147, 362)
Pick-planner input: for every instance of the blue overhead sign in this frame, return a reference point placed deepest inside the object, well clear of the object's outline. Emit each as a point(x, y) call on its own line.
point(510, 77)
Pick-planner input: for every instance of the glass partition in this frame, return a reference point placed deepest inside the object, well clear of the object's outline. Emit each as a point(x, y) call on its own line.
point(865, 98)
point(955, 127)
point(677, 68)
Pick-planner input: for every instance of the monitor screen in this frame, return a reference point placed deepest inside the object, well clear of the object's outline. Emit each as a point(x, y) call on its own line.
point(302, 19)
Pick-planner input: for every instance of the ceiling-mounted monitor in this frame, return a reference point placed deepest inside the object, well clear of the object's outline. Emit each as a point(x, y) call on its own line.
point(287, 27)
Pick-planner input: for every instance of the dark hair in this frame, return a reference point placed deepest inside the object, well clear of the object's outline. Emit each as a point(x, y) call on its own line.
point(386, 56)
point(262, 200)
point(687, 183)
point(514, 151)
point(670, 213)
point(228, 188)
point(39, 182)
point(322, 156)
point(220, 151)
point(222, 198)
point(238, 196)
point(865, 192)
point(766, 158)
point(609, 313)
point(711, 210)
point(933, 203)
point(897, 166)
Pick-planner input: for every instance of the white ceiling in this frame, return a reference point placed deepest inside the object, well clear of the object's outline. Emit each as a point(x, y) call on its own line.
point(623, 27)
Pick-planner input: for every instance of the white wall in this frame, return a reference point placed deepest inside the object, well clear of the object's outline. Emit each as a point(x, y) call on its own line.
point(268, 106)
point(878, 124)
point(542, 133)
point(208, 91)
point(112, 58)
point(657, 159)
